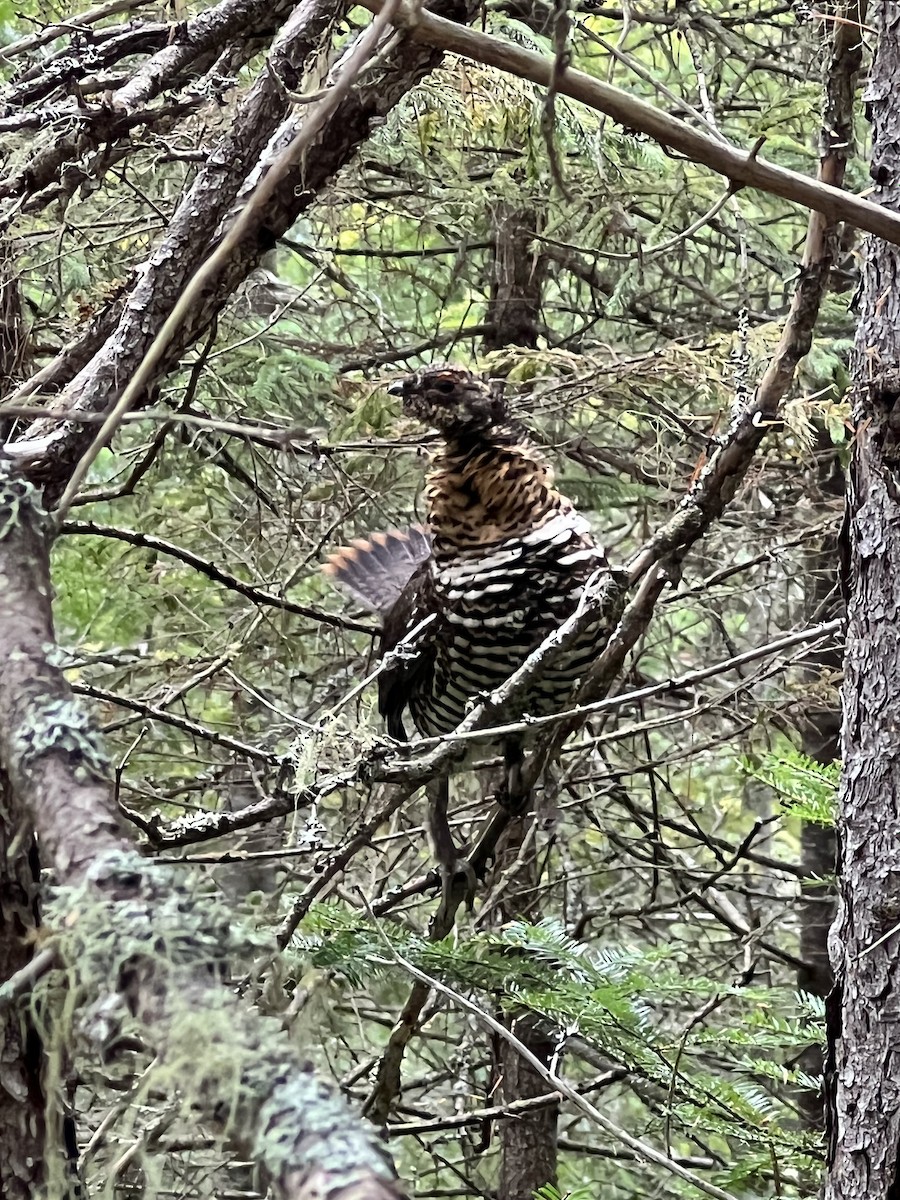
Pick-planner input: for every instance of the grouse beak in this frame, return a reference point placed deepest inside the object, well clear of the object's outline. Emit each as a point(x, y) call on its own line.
point(395, 389)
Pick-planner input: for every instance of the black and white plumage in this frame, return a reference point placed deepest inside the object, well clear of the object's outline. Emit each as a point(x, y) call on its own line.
point(503, 563)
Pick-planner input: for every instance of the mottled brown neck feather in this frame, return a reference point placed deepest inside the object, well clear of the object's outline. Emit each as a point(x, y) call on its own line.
point(486, 489)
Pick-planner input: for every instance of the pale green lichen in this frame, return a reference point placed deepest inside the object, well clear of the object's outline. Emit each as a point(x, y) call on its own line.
point(60, 725)
point(18, 498)
point(53, 724)
point(56, 656)
point(325, 1137)
point(159, 911)
point(153, 935)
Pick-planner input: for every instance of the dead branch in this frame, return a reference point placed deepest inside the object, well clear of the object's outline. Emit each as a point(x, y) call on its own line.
point(49, 453)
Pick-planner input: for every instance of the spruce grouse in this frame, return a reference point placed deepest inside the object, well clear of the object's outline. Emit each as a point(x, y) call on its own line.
point(502, 562)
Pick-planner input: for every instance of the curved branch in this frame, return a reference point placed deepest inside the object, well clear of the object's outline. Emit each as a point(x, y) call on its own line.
point(148, 542)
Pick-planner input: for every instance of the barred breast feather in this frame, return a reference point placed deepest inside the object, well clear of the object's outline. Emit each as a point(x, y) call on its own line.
point(508, 561)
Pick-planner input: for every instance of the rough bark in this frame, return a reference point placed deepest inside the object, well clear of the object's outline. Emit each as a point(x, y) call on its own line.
point(863, 1075)
point(819, 728)
point(71, 130)
point(22, 1146)
point(528, 1143)
point(821, 721)
point(13, 331)
point(21, 1098)
point(514, 308)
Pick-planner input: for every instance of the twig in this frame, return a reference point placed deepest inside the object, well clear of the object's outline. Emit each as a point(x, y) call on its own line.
point(650, 691)
point(643, 1149)
point(73, 24)
point(148, 541)
point(177, 722)
point(23, 981)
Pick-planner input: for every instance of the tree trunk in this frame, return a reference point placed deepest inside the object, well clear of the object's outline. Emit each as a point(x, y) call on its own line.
point(863, 1072)
point(528, 1141)
point(820, 727)
point(513, 315)
point(136, 937)
point(21, 1097)
point(820, 739)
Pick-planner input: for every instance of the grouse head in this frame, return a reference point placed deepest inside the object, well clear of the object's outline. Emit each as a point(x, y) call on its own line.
point(451, 399)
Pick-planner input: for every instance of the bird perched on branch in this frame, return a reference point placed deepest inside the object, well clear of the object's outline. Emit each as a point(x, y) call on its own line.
point(502, 563)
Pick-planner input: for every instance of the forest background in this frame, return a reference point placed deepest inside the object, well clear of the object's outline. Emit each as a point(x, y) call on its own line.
point(225, 252)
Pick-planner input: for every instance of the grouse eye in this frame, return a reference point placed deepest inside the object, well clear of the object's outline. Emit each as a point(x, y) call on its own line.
point(444, 385)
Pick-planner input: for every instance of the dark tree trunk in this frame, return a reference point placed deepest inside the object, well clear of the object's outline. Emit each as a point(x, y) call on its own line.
point(819, 726)
point(820, 719)
point(21, 1097)
point(863, 1071)
point(817, 905)
point(13, 331)
point(528, 1141)
point(514, 310)
point(820, 740)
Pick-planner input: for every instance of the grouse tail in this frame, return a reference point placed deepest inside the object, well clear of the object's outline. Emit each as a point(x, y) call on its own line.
point(376, 569)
